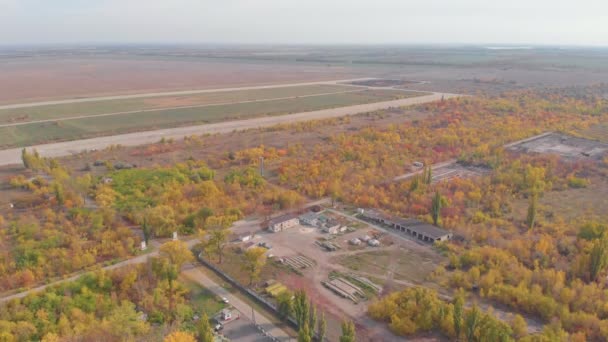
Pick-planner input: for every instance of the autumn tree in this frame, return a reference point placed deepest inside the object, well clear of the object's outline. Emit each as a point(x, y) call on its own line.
point(179, 336)
point(173, 255)
point(519, 326)
point(161, 220)
point(83, 186)
point(124, 322)
point(216, 242)
point(254, 260)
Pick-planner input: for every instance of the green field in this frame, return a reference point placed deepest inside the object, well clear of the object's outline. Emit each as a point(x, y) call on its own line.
point(37, 133)
point(160, 102)
point(202, 299)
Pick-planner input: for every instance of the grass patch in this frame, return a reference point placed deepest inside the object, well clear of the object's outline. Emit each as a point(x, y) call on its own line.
point(160, 102)
point(37, 133)
point(203, 300)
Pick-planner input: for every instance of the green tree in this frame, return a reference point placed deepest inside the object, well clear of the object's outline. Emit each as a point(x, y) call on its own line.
point(301, 308)
point(348, 332)
point(312, 319)
point(471, 322)
point(284, 305)
point(531, 217)
point(458, 313)
point(205, 333)
point(415, 184)
point(304, 334)
point(436, 207)
point(59, 193)
point(146, 230)
point(598, 258)
point(322, 327)
point(26, 159)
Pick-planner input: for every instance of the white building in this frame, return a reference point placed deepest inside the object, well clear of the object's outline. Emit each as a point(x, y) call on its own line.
point(283, 222)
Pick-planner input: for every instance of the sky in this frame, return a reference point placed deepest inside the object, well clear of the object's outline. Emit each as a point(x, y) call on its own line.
point(529, 22)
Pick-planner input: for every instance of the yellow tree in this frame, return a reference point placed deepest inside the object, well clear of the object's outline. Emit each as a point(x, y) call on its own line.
point(173, 255)
point(179, 336)
point(161, 220)
point(254, 260)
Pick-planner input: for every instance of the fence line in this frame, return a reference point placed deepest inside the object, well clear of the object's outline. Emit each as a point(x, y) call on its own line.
point(254, 295)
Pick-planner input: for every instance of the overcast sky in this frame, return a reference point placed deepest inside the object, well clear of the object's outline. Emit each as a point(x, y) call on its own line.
point(552, 22)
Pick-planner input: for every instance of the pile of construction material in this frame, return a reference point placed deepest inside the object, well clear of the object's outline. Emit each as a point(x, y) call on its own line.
point(275, 289)
point(328, 246)
point(376, 288)
point(345, 289)
point(298, 262)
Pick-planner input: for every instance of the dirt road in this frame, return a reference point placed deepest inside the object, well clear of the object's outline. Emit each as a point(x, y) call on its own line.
point(137, 260)
point(13, 156)
point(433, 167)
point(173, 93)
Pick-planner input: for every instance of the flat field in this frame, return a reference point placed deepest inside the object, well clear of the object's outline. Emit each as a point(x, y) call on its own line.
point(597, 132)
point(36, 78)
point(60, 111)
point(406, 264)
point(36, 133)
point(587, 203)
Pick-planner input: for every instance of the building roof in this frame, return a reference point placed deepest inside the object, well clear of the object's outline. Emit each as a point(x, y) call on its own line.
point(413, 224)
point(331, 222)
point(309, 216)
point(373, 214)
point(282, 218)
point(421, 227)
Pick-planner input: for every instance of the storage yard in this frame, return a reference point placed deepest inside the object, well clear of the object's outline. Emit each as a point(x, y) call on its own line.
point(318, 250)
point(566, 146)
